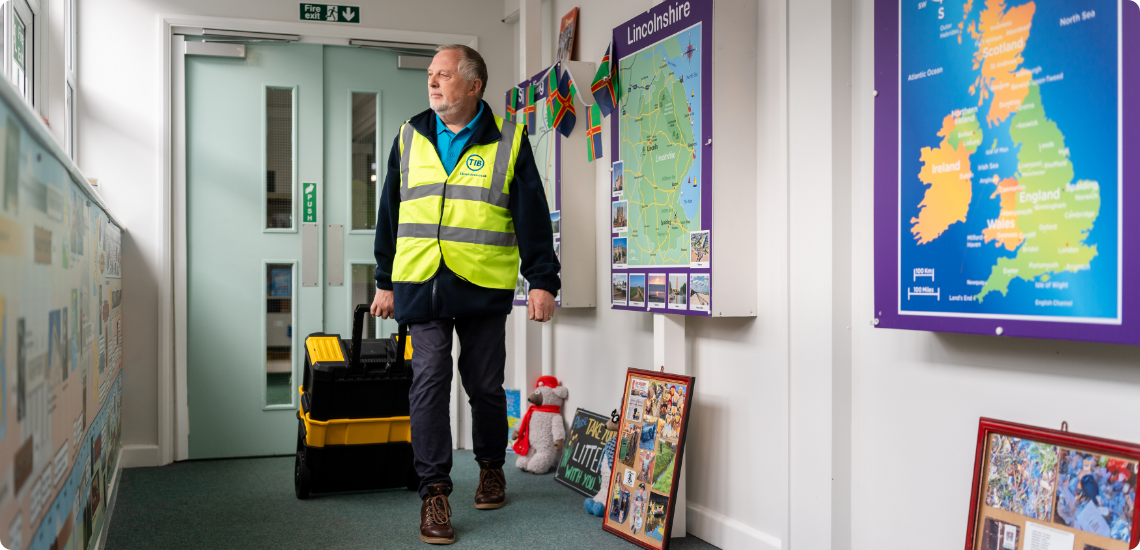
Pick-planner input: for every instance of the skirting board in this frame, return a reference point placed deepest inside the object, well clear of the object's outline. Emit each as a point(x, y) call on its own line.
point(140, 456)
point(727, 533)
point(112, 497)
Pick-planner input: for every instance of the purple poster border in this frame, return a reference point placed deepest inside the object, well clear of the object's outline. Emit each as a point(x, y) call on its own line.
point(700, 11)
point(886, 201)
point(541, 93)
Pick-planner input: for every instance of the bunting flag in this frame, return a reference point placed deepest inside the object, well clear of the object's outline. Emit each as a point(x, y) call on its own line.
point(566, 116)
point(553, 95)
point(594, 134)
point(603, 86)
point(527, 114)
point(512, 104)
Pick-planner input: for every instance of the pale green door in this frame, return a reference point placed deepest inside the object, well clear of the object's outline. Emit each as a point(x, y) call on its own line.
point(366, 98)
point(254, 156)
point(290, 143)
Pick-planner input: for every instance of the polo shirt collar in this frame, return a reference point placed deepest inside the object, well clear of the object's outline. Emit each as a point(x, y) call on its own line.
point(441, 127)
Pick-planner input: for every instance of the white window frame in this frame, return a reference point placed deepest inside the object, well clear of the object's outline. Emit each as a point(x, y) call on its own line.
point(71, 80)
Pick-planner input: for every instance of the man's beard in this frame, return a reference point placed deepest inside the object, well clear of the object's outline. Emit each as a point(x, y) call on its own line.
point(444, 107)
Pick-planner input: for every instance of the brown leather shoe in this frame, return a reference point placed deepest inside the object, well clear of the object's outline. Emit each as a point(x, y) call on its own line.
point(492, 491)
point(435, 516)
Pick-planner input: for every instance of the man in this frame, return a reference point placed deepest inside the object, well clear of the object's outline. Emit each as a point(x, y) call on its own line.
point(462, 205)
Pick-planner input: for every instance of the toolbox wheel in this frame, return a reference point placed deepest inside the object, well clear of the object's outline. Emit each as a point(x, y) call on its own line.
point(302, 476)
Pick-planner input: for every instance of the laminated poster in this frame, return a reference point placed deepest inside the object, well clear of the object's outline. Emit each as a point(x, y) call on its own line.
point(643, 484)
point(1000, 204)
point(661, 178)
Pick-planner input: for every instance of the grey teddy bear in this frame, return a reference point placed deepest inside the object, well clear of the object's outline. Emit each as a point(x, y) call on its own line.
point(547, 433)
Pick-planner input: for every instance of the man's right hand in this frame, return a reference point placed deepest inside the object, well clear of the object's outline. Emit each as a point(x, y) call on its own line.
point(382, 304)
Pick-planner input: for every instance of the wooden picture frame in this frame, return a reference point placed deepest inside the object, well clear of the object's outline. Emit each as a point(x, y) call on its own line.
point(642, 490)
point(1051, 488)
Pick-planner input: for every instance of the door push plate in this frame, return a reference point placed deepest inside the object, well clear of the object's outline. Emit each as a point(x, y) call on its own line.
point(334, 255)
point(310, 254)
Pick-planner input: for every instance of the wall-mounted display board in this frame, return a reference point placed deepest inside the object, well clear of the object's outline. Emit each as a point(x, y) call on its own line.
point(568, 179)
point(579, 467)
point(61, 342)
point(1000, 204)
point(661, 180)
point(647, 460)
point(1040, 488)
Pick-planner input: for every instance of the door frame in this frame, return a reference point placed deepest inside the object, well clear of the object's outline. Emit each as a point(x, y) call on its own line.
point(173, 414)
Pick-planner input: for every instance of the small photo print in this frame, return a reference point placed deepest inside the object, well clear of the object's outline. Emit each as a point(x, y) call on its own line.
point(999, 535)
point(520, 289)
point(638, 516)
point(558, 251)
point(618, 216)
point(646, 468)
point(619, 506)
point(621, 289)
point(1022, 476)
point(663, 466)
point(658, 291)
point(648, 436)
point(617, 179)
point(699, 292)
point(1095, 493)
point(637, 290)
point(556, 223)
point(655, 516)
point(671, 407)
point(699, 249)
point(678, 291)
point(627, 450)
point(619, 253)
point(629, 477)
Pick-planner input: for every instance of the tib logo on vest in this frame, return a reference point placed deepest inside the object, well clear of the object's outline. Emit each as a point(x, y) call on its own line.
point(475, 163)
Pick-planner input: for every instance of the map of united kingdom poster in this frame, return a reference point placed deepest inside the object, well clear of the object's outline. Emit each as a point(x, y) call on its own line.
point(661, 186)
point(1009, 131)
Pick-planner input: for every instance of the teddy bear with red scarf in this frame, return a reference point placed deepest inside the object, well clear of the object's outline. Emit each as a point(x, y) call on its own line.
point(541, 433)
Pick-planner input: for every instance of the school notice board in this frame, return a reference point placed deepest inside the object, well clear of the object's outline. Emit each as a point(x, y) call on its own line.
point(642, 492)
point(546, 144)
point(661, 178)
point(1000, 169)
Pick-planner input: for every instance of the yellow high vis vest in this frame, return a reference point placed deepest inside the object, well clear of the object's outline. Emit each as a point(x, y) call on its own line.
point(462, 217)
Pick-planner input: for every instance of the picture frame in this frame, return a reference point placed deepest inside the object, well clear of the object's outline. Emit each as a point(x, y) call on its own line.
point(1054, 488)
point(641, 495)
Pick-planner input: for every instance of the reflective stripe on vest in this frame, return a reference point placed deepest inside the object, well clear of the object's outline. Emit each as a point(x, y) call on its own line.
point(460, 217)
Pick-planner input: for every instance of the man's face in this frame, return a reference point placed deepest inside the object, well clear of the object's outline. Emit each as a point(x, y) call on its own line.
point(447, 89)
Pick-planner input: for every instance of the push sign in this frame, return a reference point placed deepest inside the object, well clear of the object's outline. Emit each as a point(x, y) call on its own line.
point(330, 13)
point(310, 204)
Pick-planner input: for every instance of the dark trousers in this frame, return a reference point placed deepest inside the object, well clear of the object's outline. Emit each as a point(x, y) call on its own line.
point(483, 354)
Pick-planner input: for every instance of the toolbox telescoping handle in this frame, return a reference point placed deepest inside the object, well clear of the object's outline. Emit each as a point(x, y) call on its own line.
point(357, 330)
point(401, 346)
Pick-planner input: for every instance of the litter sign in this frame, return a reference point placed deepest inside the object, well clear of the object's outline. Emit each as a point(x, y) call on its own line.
point(330, 13)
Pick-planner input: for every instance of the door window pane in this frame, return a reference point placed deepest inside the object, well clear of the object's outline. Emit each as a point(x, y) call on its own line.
point(279, 334)
point(279, 158)
point(364, 161)
point(363, 290)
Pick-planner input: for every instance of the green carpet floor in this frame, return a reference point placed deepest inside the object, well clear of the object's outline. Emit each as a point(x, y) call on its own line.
point(249, 504)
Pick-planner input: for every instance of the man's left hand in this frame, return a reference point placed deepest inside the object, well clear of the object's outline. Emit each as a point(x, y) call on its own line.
point(540, 306)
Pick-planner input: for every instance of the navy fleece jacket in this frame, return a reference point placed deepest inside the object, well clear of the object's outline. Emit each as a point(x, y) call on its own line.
point(446, 294)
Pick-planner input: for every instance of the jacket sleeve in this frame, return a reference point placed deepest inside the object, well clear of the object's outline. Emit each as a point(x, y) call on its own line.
point(387, 220)
point(531, 217)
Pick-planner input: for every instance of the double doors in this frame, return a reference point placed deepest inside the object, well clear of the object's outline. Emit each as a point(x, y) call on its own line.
point(286, 151)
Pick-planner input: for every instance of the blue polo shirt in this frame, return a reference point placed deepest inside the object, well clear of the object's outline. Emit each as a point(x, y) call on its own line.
point(450, 143)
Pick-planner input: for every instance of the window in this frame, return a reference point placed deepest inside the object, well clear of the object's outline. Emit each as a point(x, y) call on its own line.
point(20, 47)
point(364, 115)
point(279, 158)
point(279, 334)
point(70, 83)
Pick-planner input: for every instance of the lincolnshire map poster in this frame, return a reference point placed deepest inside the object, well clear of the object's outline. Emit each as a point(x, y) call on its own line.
point(661, 192)
point(546, 144)
point(1005, 193)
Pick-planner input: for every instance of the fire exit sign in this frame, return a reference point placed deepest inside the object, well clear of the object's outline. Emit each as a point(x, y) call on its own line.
point(330, 13)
